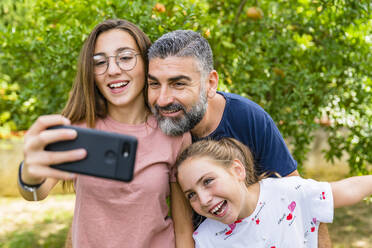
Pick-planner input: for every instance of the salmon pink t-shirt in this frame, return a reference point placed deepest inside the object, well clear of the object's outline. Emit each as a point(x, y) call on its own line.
point(114, 214)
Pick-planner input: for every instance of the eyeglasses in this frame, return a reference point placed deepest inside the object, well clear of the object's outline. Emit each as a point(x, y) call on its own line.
point(126, 60)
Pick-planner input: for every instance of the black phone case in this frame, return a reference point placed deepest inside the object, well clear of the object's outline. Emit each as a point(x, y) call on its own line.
point(110, 155)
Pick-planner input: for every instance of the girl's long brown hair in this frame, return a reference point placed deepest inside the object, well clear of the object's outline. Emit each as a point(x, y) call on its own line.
point(86, 103)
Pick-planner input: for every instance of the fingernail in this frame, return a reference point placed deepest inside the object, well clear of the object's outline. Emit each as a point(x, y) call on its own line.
point(71, 175)
point(66, 121)
point(71, 132)
point(81, 153)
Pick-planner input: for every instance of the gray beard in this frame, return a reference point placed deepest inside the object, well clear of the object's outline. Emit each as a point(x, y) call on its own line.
point(177, 126)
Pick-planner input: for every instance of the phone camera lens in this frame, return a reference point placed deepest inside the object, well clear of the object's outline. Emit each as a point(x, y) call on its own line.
point(126, 150)
point(110, 157)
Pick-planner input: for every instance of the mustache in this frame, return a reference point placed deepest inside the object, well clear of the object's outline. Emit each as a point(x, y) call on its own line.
point(170, 107)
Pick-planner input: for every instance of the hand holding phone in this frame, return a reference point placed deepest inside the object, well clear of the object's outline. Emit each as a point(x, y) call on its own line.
point(109, 155)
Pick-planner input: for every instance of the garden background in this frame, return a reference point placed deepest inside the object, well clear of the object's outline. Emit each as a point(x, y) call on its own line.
point(306, 62)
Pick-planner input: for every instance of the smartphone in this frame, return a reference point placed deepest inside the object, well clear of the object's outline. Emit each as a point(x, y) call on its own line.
point(110, 155)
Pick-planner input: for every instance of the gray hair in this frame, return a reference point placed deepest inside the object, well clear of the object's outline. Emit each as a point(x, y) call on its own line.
point(184, 43)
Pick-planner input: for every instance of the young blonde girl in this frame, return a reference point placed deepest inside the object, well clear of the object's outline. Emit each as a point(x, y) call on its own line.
point(244, 210)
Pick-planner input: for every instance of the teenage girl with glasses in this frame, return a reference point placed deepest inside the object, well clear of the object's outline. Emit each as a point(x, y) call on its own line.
point(244, 210)
point(108, 94)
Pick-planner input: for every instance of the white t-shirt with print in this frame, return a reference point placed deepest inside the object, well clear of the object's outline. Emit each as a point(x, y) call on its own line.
point(287, 215)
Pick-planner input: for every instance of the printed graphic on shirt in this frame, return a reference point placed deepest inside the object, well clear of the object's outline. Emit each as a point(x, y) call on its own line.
point(229, 230)
point(322, 196)
point(290, 217)
point(256, 217)
point(232, 227)
point(313, 224)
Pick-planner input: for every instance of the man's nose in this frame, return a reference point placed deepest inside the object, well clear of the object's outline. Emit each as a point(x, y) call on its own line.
point(165, 97)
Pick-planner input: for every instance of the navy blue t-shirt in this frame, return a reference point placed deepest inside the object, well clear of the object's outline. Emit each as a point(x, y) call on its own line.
point(247, 122)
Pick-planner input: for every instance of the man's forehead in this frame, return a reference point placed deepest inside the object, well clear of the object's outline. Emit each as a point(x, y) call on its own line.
point(173, 59)
point(173, 65)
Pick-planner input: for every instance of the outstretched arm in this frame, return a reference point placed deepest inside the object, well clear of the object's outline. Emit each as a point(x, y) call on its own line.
point(351, 190)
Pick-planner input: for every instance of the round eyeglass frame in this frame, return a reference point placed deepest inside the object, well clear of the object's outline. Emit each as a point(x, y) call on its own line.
point(107, 58)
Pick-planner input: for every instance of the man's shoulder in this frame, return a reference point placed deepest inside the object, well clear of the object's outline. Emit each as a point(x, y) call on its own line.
point(233, 96)
point(238, 101)
point(243, 109)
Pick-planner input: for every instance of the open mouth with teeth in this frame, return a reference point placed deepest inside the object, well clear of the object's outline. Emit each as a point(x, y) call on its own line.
point(219, 209)
point(168, 112)
point(117, 85)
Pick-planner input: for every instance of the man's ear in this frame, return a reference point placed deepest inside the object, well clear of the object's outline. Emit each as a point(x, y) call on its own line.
point(238, 169)
point(212, 83)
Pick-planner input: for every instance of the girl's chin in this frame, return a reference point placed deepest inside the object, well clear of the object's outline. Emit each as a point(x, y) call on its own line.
point(229, 221)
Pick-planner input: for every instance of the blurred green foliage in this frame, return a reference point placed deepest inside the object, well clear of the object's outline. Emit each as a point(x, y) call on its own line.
point(306, 62)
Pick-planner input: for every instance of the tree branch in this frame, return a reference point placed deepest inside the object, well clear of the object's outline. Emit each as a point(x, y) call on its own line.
point(240, 9)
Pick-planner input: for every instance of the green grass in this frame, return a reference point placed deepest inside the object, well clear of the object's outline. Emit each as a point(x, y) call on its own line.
point(35, 224)
point(352, 226)
point(45, 224)
point(33, 239)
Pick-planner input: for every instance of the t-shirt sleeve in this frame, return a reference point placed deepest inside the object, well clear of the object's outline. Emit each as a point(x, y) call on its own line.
point(273, 154)
point(319, 198)
point(183, 143)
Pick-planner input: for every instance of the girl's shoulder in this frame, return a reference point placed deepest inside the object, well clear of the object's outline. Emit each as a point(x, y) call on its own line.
point(282, 182)
point(292, 185)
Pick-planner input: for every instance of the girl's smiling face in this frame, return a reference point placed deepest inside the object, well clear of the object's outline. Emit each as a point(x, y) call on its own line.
point(120, 88)
point(214, 191)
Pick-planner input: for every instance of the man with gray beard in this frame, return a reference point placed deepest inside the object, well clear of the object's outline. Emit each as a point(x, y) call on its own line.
point(181, 124)
point(182, 94)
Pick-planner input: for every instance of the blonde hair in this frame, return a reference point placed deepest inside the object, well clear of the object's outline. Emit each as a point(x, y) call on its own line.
point(224, 152)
